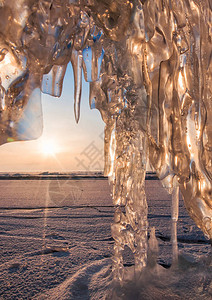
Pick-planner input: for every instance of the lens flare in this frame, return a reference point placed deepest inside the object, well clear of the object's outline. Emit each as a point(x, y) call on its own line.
point(49, 148)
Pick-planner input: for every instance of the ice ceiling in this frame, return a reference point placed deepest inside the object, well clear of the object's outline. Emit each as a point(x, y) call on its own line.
point(149, 64)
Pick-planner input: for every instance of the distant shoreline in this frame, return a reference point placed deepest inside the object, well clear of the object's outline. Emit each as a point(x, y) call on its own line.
point(63, 176)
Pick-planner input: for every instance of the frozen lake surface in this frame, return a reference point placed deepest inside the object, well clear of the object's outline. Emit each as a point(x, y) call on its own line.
point(55, 240)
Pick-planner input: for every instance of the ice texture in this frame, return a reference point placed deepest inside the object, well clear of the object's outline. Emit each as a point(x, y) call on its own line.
point(149, 64)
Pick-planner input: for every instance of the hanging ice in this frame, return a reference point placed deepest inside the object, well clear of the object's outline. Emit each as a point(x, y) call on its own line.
point(149, 64)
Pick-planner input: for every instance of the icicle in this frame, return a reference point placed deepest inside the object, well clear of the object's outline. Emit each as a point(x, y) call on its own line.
point(174, 216)
point(100, 58)
point(87, 58)
point(153, 248)
point(53, 81)
point(92, 61)
point(76, 60)
point(92, 96)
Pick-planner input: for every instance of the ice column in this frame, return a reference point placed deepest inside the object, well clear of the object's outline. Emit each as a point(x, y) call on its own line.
point(174, 216)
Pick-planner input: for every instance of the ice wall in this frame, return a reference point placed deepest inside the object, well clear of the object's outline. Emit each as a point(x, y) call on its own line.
point(149, 64)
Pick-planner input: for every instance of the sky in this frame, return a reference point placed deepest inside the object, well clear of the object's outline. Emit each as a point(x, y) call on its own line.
point(64, 145)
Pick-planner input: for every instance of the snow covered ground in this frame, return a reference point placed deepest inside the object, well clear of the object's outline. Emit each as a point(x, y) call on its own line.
point(55, 243)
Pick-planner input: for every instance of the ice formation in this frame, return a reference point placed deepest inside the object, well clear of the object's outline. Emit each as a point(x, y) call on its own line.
point(149, 64)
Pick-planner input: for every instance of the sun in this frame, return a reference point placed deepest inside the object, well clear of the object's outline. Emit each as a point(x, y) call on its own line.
point(49, 147)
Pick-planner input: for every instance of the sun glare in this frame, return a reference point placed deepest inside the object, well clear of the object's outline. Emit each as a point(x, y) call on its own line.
point(49, 148)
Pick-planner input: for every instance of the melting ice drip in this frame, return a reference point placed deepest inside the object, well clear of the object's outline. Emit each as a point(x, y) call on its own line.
point(149, 64)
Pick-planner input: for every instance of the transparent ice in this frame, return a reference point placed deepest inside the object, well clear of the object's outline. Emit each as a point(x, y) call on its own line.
point(149, 64)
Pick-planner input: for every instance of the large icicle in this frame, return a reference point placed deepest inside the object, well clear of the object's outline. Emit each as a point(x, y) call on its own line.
point(76, 60)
